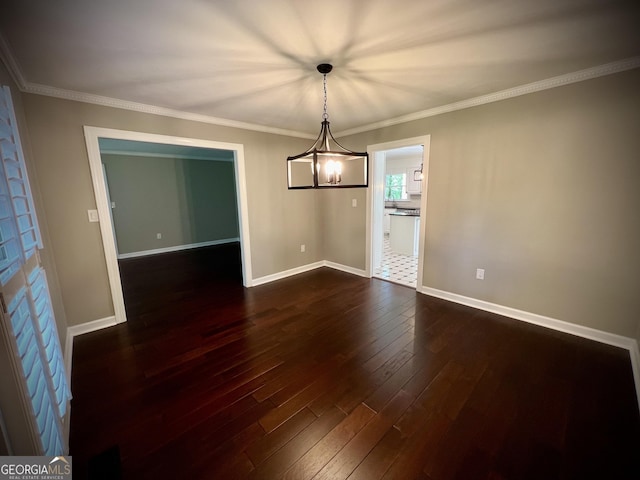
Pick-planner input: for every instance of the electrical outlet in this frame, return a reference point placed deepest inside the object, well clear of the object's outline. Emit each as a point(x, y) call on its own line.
point(354, 202)
point(480, 273)
point(93, 215)
point(158, 236)
point(303, 248)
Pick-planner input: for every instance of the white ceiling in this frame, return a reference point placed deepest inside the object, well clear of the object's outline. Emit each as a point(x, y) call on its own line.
point(254, 61)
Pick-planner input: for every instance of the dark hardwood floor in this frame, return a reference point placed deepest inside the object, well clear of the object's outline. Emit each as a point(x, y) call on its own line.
point(327, 375)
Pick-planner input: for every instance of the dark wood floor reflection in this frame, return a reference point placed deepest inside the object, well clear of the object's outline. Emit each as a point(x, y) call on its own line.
point(327, 375)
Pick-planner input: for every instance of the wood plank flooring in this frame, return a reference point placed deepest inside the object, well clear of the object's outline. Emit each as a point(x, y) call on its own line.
point(327, 375)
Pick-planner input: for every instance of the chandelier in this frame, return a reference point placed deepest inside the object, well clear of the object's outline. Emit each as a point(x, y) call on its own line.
point(327, 164)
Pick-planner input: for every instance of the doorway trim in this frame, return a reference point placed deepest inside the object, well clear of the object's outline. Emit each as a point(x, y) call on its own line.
point(375, 198)
point(92, 136)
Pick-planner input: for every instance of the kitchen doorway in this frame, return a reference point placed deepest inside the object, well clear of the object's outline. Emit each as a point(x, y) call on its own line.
point(397, 211)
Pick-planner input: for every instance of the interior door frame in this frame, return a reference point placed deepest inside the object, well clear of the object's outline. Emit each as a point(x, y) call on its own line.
point(375, 198)
point(92, 136)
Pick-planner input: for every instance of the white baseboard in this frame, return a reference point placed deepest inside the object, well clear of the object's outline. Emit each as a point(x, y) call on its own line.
point(562, 326)
point(306, 268)
point(66, 427)
point(177, 248)
point(286, 273)
point(345, 268)
point(74, 331)
point(92, 326)
point(620, 341)
point(68, 355)
point(634, 353)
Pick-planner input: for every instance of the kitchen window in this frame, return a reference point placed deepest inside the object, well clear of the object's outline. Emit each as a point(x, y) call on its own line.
point(395, 187)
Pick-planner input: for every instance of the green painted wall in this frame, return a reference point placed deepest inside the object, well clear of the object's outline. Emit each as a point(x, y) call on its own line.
point(186, 201)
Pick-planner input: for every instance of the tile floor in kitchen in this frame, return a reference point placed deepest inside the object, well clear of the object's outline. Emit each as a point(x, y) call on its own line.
point(397, 268)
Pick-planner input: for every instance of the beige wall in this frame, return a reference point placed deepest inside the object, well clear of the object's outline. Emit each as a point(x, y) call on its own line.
point(279, 220)
point(45, 254)
point(542, 191)
point(343, 227)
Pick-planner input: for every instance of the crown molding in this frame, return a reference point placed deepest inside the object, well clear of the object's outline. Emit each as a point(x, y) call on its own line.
point(553, 82)
point(48, 91)
point(11, 63)
point(566, 79)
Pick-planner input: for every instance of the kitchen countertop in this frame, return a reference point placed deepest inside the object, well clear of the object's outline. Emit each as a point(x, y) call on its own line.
point(405, 214)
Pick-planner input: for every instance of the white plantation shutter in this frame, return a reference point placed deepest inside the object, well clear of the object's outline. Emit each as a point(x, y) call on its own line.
point(22, 204)
point(28, 323)
point(34, 372)
point(10, 251)
point(10, 248)
point(43, 312)
point(15, 194)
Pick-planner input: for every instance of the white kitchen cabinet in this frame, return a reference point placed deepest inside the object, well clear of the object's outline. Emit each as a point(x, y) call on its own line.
point(386, 220)
point(414, 185)
point(404, 234)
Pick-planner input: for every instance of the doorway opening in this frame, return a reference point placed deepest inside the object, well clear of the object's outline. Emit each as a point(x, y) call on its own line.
point(101, 140)
point(397, 210)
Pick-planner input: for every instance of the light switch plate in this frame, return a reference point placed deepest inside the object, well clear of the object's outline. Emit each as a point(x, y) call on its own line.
point(93, 216)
